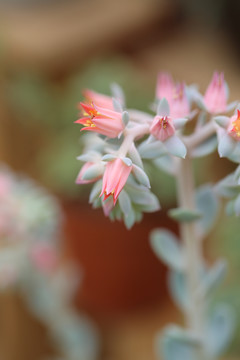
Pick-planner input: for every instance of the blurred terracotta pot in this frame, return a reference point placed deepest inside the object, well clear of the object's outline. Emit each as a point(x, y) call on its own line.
point(121, 272)
point(18, 325)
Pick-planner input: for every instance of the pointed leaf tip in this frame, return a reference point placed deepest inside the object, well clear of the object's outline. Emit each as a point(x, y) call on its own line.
point(166, 246)
point(141, 176)
point(226, 145)
point(222, 121)
point(127, 161)
point(163, 108)
point(125, 118)
point(117, 105)
point(109, 157)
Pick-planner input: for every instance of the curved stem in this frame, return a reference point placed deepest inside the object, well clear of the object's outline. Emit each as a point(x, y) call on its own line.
point(199, 136)
point(130, 135)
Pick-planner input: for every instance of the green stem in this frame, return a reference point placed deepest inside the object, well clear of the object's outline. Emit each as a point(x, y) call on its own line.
point(186, 197)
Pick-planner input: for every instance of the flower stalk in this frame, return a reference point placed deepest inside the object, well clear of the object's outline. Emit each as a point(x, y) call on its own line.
point(192, 245)
point(122, 188)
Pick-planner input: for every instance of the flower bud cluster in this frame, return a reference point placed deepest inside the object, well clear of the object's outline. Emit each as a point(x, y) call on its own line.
point(113, 159)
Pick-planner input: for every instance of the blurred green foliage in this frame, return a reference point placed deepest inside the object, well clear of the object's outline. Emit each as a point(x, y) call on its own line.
point(225, 241)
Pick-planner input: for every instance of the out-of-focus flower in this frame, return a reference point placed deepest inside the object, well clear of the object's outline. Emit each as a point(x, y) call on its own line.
point(44, 256)
point(176, 96)
point(180, 105)
point(165, 87)
point(162, 127)
point(98, 99)
point(215, 98)
point(115, 177)
point(102, 121)
point(234, 126)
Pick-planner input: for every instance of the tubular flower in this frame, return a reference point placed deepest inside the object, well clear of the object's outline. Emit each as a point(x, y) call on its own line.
point(234, 127)
point(165, 87)
point(101, 100)
point(180, 106)
point(162, 127)
point(114, 178)
point(100, 120)
point(215, 98)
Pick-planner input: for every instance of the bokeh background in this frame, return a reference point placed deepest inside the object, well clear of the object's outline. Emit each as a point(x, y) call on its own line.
point(49, 51)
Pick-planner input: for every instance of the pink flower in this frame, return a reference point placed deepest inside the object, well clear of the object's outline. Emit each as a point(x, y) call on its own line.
point(165, 87)
point(180, 106)
point(44, 257)
point(215, 98)
point(102, 121)
point(162, 127)
point(108, 205)
point(234, 126)
point(101, 100)
point(114, 178)
point(84, 168)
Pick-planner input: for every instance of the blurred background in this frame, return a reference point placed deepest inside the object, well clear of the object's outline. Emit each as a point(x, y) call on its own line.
point(49, 51)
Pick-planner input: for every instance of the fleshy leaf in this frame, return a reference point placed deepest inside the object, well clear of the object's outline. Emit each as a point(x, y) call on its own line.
point(91, 156)
point(129, 219)
point(125, 118)
point(184, 214)
point(228, 187)
point(109, 157)
point(127, 161)
point(118, 93)
point(205, 148)
point(175, 332)
point(117, 105)
point(166, 246)
point(124, 202)
point(96, 190)
point(177, 344)
point(213, 278)
point(92, 172)
point(207, 203)
point(135, 157)
point(220, 329)
point(231, 106)
point(176, 147)
point(163, 108)
point(151, 150)
point(222, 121)
point(166, 163)
point(226, 145)
point(141, 176)
point(179, 123)
point(178, 289)
point(199, 100)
